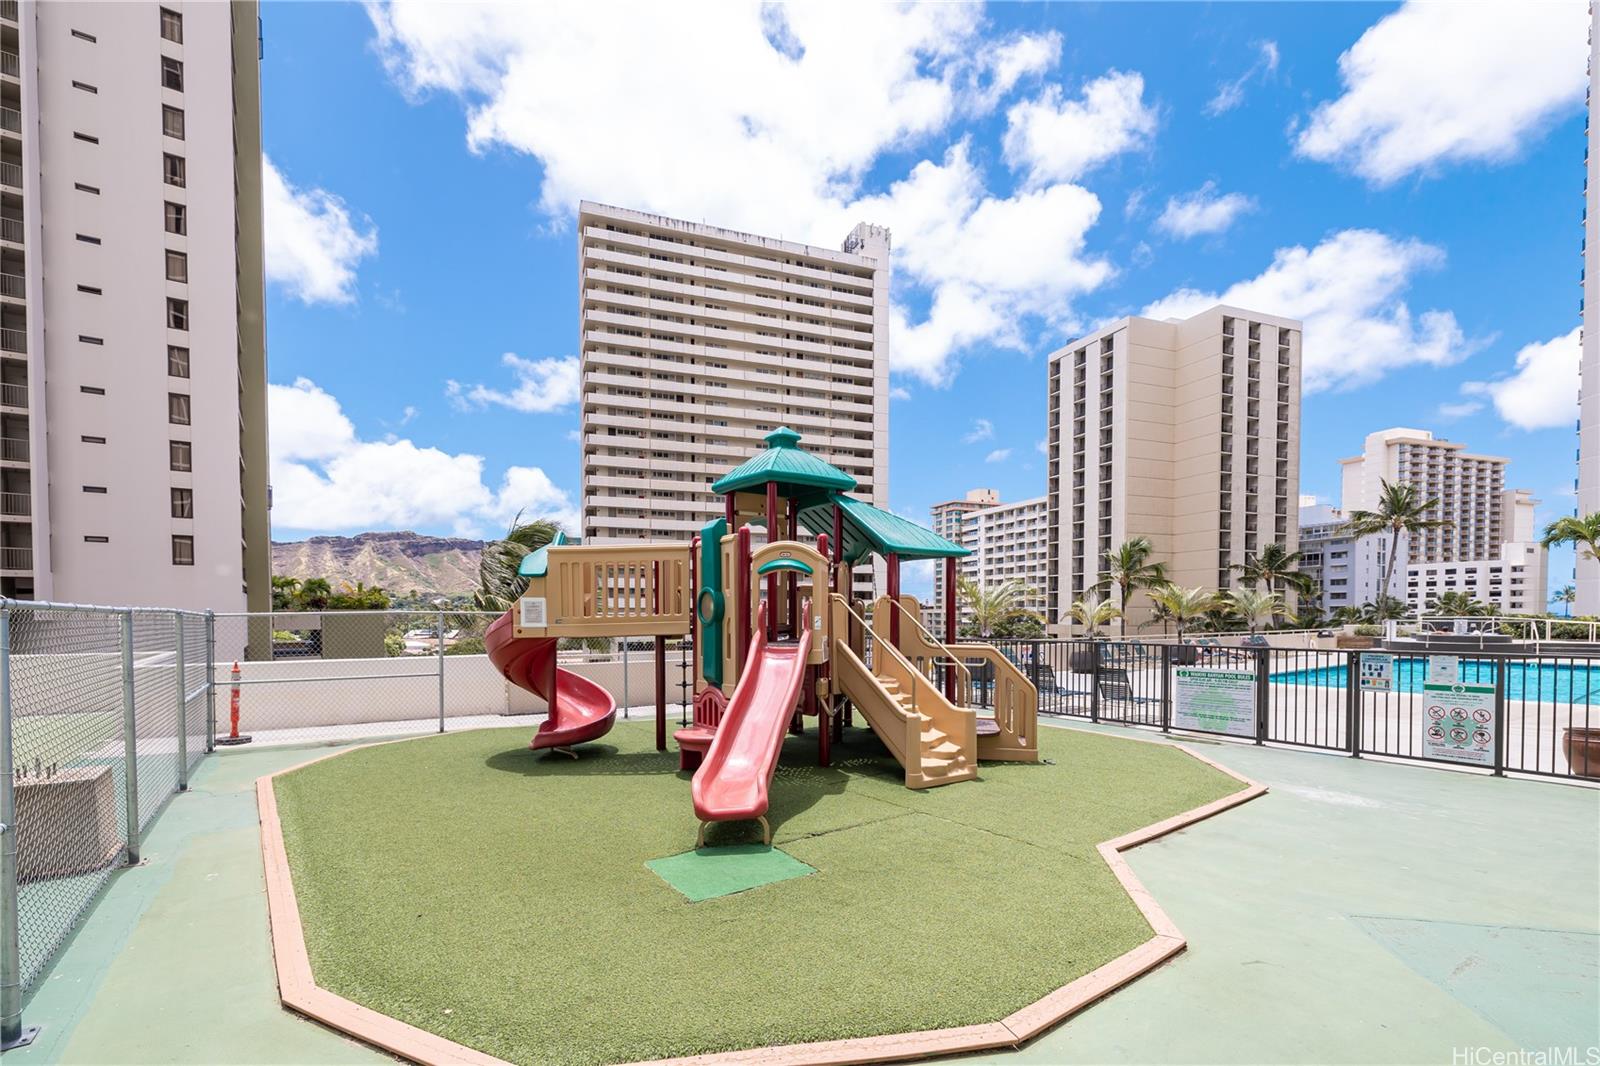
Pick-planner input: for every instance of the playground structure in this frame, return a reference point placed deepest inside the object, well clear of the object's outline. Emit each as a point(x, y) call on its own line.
point(777, 638)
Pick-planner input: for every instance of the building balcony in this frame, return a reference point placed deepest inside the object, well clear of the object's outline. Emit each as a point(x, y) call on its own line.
point(16, 560)
point(16, 504)
point(14, 340)
point(14, 395)
point(14, 449)
point(11, 176)
point(11, 230)
point(10, 66)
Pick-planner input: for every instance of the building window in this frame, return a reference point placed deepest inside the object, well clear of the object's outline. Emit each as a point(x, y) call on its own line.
point(84, 338)
point(92, 390)
point(173, 169)
point(80, 35)
point(182, 551)
point(178, 408)
point(92, 440)
point(92, 190)
point(87, 138)
point(98, 490)
point(182, 503)
point(180, 453)
point(171, 26)
point(177, 361)
point(177, 219)
point(177, 313)
point(171, 73)
point(92, 290)
point(87, 239)
point(85, 86)
point(91, 539)
point(177, 266)
point(172, 121)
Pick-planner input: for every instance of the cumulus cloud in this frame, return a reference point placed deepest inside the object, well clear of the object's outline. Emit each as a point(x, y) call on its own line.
point(1347, 291)
point(1542, 391)
point(542, 385)
point(1230, 94)
point(1203, 211)
point(1438, 83)
point(982, 429)
point(1054, 138)
point(311, 244)
point(326, 478)
point(826, 93)
point(999, 455)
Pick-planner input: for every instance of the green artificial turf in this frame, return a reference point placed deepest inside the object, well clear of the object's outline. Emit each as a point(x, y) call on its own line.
point(721, 871)
point(500, 898)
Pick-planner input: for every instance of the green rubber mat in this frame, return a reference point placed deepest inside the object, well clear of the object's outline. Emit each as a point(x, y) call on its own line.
point(712, 872)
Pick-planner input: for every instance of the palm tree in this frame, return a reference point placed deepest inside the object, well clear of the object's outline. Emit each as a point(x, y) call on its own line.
point(1253, 605)
point(1401, 509)
point(1181, 604)
point(994, 604)
point(499, 584)
point(1383, 608)
point(1274, 567)
point(1582, 533)
point(1459, 605)
point(284, 591)
point(1128, 567)
point(1092, 612)
point(314, 594)
point(1566, 596)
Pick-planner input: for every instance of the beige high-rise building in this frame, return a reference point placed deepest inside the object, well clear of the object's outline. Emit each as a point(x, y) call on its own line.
point(1588, 484)
point(1009, 542)
point(1186, 432)
point(698, 341)
point(946, 520)
point(133, 435)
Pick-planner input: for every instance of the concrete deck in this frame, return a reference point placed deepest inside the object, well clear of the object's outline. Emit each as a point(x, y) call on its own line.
point(1360, 912)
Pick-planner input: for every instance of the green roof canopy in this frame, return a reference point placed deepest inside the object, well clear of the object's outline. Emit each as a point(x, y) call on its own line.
point(535, 563)
point(868, 529)
point(795, 470)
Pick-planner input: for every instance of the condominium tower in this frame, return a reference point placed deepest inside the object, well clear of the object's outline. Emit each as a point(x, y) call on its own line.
point(947, 522)
point(1186, 432)
point(698, 341)
point(133, 415)
point(1009, 543)
point(1588, 486)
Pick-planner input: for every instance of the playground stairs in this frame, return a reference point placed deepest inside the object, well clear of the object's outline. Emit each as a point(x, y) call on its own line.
point(935, 741)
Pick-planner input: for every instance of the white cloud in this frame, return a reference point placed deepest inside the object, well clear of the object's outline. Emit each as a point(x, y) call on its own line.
point(982, 429)
point(1542, 392)
point(311, 245)
point(1347, 292)
point(326, 478)
point(826, 92)
point(1042, 446)
point(1451, 411)
point(916, 578)
point(897, 392)
point(1437, 83)
point(1230, 94)
point(542, 385)
point(1203, 211)
point(1050, 138)
point(999, 455)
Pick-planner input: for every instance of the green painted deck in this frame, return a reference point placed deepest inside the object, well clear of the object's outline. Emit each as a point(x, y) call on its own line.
point(1360, 912)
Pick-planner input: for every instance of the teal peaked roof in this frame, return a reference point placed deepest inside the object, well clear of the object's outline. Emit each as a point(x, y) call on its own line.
point(869, 529)
point(782, 461)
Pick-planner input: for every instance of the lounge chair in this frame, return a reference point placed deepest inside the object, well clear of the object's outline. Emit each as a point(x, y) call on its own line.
point(1117, 690)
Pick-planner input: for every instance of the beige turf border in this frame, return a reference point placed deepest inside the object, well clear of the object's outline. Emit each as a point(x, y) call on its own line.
point(298, 990)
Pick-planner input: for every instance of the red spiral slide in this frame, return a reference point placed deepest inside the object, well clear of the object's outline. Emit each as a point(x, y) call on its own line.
point(580, 709)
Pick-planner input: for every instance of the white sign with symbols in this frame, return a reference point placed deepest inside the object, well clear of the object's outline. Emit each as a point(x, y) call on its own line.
point(1216, 701)
point(1458, 723)
point(1444, 669)
point(1377, 672)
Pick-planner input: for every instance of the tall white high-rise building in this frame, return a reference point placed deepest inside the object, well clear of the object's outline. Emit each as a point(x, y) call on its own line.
point(1185, 432)
point(698, 341)
point(946, 520)
point(1009, 542)
point(133, 436)
point(1588, 570)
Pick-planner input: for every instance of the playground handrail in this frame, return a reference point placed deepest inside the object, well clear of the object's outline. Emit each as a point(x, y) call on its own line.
point(963, 675)
point(958, 723)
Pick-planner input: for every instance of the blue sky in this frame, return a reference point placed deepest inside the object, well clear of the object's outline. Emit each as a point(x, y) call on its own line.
point(1406, 179)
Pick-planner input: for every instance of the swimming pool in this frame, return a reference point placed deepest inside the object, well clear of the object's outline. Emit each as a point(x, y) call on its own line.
point(1542, 680)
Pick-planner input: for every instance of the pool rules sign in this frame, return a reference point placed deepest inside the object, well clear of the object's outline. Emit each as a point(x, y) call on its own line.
point(1458, 722)
point(1216, 701)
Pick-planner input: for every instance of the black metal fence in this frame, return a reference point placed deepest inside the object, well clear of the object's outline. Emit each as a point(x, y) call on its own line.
point(1502, 711)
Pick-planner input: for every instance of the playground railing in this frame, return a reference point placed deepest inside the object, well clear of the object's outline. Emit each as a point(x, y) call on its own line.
point(618, 589)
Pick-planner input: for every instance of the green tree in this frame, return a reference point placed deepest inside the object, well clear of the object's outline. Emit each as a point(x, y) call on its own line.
point(992, 606)
point(1582, 533)
point(1092, 612)
point(1128, 568)
point(284, 591)
point(1252, 605)
point(1459, 605)
point(314, 594)
point(1401, 510)
point(1183, 605)
point(1566, 596)
point(1275, 567)
point(1383, 608)
point(499, 584)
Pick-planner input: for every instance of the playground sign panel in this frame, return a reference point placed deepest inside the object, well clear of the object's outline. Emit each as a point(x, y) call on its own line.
point(1377, 672)
point(1215, 701)
point(1458, 723)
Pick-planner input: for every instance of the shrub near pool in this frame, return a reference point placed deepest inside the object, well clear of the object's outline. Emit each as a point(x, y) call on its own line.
point(500, 898)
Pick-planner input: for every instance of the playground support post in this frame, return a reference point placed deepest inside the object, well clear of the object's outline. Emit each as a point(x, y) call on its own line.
point(772, 579)
point(894, 597)
point(790, 578)
point(661, 693)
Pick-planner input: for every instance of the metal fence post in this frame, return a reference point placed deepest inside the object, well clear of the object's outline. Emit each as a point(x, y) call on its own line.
point(441, 669)
point(1500, 717)
point(1094, 681)
point(1166, 688)
point(183, 703)
point(12, 1033)
point(130, 740)
point(1352, 703)
point(211, 682)
point(1263, 658)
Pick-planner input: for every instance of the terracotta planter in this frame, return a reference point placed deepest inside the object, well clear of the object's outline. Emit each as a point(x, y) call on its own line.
point(1582, 748)
point(1352, 642)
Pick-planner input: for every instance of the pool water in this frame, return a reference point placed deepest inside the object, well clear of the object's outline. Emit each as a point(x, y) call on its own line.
point(1547, 682)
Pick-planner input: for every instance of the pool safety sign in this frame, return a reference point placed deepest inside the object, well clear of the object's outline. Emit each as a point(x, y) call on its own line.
point(1377, 672)
point(1216, 701)
point(1458, 723)
point(1444, 669)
